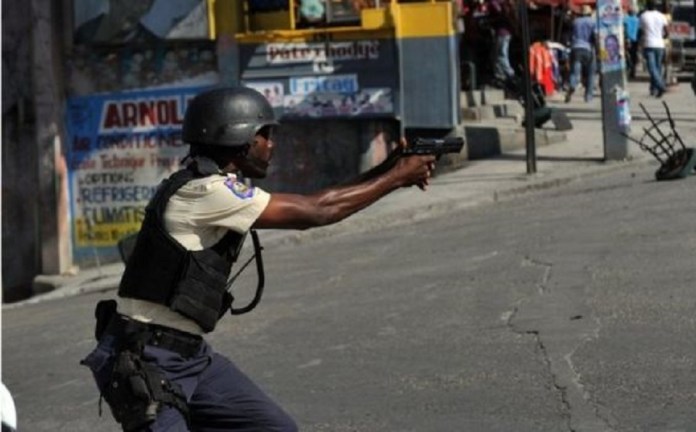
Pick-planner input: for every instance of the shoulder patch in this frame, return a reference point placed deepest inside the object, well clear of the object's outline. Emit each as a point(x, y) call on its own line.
point(239, 189)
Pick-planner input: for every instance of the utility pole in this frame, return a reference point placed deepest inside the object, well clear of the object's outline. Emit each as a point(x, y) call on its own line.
point(616, 117)
point(527, 83)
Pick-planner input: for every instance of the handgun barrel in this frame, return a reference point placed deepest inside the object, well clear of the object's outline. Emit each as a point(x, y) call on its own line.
point(436, 145)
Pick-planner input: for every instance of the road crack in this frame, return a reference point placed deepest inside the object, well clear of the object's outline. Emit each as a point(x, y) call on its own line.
point(558, 321)
point(561, 390)
point(546, 275)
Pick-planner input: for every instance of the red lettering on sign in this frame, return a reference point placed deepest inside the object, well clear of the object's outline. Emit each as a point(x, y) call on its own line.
point(130, 114)
point(176, 119)
point(112, 119)
point(147, 115)
point(163, 112)
point(124, 114)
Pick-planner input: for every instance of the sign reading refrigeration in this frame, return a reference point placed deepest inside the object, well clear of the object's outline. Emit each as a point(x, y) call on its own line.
point(120, 147)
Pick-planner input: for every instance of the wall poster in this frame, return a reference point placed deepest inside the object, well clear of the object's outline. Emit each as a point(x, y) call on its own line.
point(120, 146)
point(610, 33)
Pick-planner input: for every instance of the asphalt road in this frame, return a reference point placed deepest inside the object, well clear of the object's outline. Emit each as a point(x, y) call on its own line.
point(570, 309)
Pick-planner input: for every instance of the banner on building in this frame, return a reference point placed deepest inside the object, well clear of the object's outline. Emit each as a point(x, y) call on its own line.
point(120, 146)
point(331, 79)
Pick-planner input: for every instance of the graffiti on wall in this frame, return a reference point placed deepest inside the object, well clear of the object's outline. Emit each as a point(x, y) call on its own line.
point(325, 96)
point(100, 70)
point(360, 103)
point(116, 22)
point(120, 146)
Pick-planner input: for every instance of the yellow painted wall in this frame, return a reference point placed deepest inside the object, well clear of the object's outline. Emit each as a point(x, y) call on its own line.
point(401, 20)
point(418, 20)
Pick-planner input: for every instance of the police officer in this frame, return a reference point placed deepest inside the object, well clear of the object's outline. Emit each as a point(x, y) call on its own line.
point(151, 364)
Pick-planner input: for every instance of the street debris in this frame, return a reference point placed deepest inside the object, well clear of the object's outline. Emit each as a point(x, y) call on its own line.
point(663, 141)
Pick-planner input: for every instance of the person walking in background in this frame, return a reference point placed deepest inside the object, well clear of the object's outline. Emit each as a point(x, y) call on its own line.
point(631, 25)
point(500, 19)
point(459, 10)
point(582, 53)
point(653, 28)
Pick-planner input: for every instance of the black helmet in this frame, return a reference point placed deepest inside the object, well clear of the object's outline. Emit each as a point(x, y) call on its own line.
point(229, 116)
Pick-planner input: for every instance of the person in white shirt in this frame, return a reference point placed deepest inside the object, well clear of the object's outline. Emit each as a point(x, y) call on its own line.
point(653, 28)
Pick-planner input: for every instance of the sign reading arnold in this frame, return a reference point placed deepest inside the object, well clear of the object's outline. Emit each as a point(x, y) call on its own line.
point(120, 146)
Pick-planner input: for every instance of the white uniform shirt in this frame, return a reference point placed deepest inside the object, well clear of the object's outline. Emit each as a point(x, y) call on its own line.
point(652, 24)
point(198, 215)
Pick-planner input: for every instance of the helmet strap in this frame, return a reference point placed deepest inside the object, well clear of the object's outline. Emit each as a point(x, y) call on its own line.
point(202, 165)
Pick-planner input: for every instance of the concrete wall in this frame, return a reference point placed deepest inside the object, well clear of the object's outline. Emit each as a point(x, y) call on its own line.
point(34, 194)
point(21, 250)
point(49, 97)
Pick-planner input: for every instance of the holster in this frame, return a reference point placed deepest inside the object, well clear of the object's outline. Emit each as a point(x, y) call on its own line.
point(105, 310)
point(137, 390)
point(130, 393)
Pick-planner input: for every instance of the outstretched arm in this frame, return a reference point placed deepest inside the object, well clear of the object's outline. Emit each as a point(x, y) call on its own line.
point(331, 205)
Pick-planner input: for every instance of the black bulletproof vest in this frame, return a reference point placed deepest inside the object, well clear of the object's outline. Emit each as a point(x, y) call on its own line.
point(160, 270)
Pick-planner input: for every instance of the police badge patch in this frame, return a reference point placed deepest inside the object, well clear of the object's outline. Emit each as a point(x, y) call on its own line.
point(239, 189)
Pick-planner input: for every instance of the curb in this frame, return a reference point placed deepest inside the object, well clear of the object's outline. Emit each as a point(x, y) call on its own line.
point(506, 194)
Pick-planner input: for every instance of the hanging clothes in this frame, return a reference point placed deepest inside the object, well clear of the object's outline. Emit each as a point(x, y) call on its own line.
point(541, 66)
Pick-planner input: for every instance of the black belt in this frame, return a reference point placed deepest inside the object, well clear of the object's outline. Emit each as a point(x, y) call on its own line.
point(132, 333)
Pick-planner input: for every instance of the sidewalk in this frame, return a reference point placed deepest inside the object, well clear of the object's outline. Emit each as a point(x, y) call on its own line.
point(478, 182)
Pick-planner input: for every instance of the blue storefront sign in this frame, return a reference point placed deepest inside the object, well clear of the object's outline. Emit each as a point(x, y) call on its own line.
point(120, 146)
point(336, 79)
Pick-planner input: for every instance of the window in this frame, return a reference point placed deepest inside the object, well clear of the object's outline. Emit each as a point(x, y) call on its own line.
point(268, 5)
point(329, 12)
point(684, 13)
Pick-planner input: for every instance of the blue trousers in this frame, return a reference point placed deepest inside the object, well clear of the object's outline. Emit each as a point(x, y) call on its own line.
point(582, 67)
point(653, 59)
point(502, 67)
point(220, 397)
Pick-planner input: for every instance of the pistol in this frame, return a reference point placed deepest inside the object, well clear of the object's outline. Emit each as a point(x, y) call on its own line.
point(434, 146)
